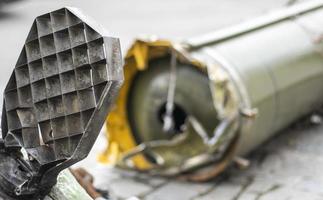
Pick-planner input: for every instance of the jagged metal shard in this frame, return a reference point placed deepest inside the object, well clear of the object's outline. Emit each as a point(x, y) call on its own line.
point(57, 98)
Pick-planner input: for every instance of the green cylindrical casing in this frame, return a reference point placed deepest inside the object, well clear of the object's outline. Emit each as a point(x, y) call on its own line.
point(277, 69)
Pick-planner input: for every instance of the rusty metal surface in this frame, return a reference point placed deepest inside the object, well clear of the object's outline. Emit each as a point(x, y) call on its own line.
point(64, 82)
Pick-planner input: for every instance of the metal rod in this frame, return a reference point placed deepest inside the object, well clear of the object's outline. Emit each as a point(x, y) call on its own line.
point(233, 31)
point(168, 118)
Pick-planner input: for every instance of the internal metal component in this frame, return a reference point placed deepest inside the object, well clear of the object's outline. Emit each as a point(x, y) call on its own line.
point(147, 107)
point(169, 120)
point(64, 81)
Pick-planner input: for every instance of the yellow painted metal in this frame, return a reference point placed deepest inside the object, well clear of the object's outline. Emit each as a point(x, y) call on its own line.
point(119, 135)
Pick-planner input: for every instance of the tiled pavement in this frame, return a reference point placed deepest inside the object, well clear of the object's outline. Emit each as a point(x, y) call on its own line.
point(289, 167)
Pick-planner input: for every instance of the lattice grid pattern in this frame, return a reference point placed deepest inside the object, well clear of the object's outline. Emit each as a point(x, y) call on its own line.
point(57, 83)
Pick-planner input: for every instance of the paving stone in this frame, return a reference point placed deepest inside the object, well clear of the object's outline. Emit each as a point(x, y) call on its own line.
point(178, 190)
point(153, 181)
point(126, 188)
point(290, 194)
point(104, 177)
point(309, 185)
point(260, 187)
point(225, 191)
point(144, 178)
point(248, 196)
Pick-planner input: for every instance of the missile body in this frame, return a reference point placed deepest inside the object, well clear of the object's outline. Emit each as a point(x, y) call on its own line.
point(234, 89)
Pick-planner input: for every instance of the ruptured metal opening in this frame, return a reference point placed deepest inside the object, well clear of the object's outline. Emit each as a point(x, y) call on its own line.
point(179, 116)
point(147, 101)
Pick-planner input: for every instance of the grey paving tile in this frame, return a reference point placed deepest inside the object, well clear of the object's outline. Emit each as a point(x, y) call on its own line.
point(126, 188)
point(289, 194)
point(178, 190)
point(225, 191)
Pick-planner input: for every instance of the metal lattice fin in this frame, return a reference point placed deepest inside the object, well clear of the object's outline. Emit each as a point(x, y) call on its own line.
point(59, 93)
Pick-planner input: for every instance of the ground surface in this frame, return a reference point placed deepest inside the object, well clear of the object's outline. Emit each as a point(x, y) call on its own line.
point(289, 167)
point(286, 168)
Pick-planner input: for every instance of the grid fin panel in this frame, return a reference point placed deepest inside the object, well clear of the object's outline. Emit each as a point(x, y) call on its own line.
point(58, 80)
